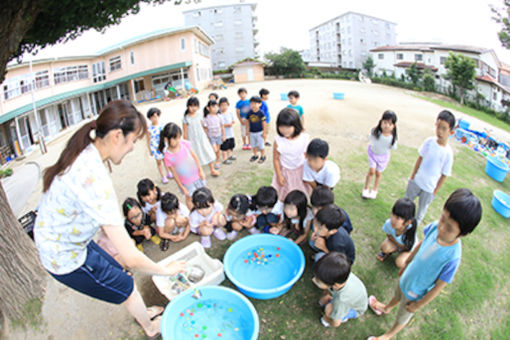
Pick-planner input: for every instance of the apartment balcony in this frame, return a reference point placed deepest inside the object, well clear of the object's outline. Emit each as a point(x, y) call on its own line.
point(254, 18)
point(255, 31)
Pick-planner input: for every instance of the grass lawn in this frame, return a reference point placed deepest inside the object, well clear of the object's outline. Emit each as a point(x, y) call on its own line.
point(470, 111)
point(476, 304)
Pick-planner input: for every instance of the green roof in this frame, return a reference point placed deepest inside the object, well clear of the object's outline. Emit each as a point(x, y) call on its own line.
point(70, 94)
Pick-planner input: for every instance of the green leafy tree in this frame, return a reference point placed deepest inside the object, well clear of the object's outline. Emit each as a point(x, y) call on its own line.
point(461, 71)
point(27, 26)
point(502, 16)
point(287, 63)
point(369, 65)
point(429, 84)
point(414, 75)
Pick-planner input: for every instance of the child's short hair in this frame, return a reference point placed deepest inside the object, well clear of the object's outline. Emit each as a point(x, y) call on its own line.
point(153, 111)
point(202, 198)
point(289, 117)
point(241, 90)
point(143, 188)
point(169, 203)
point(129, 203)
point(448, 117)
point(322, 196)
point(332, 268)
point(317, 148)
point(266, 197)
point(263, 92)
point(223, 100)
point(239, 203)
point(293, 93)
point(331, 216)
point(214, 94)
point(465, 209)
point(255, 99)
point(170, 131)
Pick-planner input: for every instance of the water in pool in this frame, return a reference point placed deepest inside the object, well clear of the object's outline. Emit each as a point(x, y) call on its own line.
point(213, 319)
point(263, 267)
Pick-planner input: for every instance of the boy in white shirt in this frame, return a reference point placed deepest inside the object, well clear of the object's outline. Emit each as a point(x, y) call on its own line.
point(318, 170)
point(433, 165)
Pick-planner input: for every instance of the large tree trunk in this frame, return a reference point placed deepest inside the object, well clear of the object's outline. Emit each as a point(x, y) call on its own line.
point(22, 277)
point(16, 18)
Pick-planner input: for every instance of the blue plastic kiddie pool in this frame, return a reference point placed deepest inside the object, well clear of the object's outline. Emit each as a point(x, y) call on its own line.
point(210, 312)
point(501, 203)
point(264, 266)
point(496, 168)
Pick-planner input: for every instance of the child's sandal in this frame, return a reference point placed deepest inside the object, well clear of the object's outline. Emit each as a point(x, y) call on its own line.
point(371, 303)
point(382, 256)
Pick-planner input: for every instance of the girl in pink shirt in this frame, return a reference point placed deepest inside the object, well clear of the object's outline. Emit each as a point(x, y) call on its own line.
point(182, 161)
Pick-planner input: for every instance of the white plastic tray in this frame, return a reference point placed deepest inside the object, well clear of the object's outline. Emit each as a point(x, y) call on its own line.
point(195, 255)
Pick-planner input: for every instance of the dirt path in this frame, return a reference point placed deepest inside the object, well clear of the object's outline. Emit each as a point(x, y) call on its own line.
point(344, 124)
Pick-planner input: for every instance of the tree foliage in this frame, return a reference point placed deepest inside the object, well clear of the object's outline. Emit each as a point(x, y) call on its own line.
point(502, 16)
point(414, 74)
point(369, 65)
point(287, 63)
point(461, 71)
point(429, 83)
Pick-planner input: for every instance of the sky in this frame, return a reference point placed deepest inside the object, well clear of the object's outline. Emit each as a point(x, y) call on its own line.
point(285, 23)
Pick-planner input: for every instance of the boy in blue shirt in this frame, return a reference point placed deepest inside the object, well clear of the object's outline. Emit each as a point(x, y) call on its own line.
point(433, 262)
point(257, 129)
point(293, 100)
point(264, 95)
point(242, 109)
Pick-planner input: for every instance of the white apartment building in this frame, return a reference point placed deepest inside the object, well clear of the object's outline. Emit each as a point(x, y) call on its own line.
point(345, 41)
point(490, 75)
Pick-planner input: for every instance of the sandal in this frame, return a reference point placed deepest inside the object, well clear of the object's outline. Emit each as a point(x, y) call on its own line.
point(262, 160)
point(155, 336)
point(164, 245)
point(371, 303)
point(155, 311)
point(382, 256)
point(254, 158)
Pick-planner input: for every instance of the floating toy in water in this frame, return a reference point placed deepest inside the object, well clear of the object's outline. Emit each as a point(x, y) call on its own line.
point(196, 294)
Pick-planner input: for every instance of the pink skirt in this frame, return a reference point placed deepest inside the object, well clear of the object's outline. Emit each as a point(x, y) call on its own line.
point(293, 181)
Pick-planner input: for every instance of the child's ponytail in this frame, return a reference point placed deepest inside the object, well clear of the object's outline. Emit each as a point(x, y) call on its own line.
point(170, 131)
point(405, 209)
point(410, 235)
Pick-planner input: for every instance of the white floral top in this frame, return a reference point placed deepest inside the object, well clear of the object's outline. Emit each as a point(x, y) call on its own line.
point(72, 210)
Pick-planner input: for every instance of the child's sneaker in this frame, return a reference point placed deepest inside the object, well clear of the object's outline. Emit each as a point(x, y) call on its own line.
point(254, 158)
point(324, 322)
point(164, 180)
point(365, 193)
point(245, 147)
point(227, 161)
point(169, 175)
point(262, 159)
point(254, 231)
point(373, 194)
point(232, 158)
point(205, 241)
point(156, 240)
point(216, 166)
point(232, 235)
point(248, 147)
point(219, 234)
point(140, 247)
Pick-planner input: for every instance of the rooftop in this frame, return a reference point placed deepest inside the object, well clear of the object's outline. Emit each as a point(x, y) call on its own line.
point(253, 7)
point(430, 47)
point(349, 13)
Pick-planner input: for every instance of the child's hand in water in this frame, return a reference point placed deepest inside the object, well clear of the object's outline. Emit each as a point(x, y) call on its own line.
point(175, 267)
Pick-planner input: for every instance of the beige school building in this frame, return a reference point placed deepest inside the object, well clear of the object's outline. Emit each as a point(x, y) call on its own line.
point(67, 90)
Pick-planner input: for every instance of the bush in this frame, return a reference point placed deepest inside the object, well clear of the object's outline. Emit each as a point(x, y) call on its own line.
point(394, 82)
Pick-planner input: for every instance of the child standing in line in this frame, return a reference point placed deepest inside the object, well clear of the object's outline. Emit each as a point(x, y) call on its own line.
point(400, 232)
point(318, 170)
point(238, 215)
point(172, 220)
point(213, 126)
point(138, 224)
point(264, 95)
point(293, 100)
point(433, 262)
point(153, 142)
point(265, 202)
point(345, 295)
point(205, 217)
point(182, 161)
point(193, 128)
point(228, 121)
point(149, 197)
point(289, 153)
point(330, 236)
point(242, 109)
point(383, 139)
point(433, 165)
point(297, 217)
point(257, 129)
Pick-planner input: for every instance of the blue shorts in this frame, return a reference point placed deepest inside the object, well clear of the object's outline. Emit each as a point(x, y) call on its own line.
point(100, 277)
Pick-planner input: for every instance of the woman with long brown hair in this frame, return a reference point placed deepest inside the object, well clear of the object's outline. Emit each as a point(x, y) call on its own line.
point(78, 199)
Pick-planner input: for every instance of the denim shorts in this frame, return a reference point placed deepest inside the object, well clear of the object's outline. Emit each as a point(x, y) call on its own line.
point(100, 277)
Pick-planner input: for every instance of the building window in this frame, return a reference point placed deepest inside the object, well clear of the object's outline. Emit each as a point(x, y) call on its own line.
point(132, 57)
point(218, 24)
point(218, 37)
point(70, 73)
point(380, 56)
point(418, 57)
point(98, 71)
point(42, 79)
point(115, 63)
point(494, 96)
point(239, 35)
point(139, 85)
point(239, 49)
point(197, 14)
point(400, 56)
point(203, 49)
point(237, 9)
point(217, 11)
point(183, 44)
point(221, 64)
point(238, 22)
